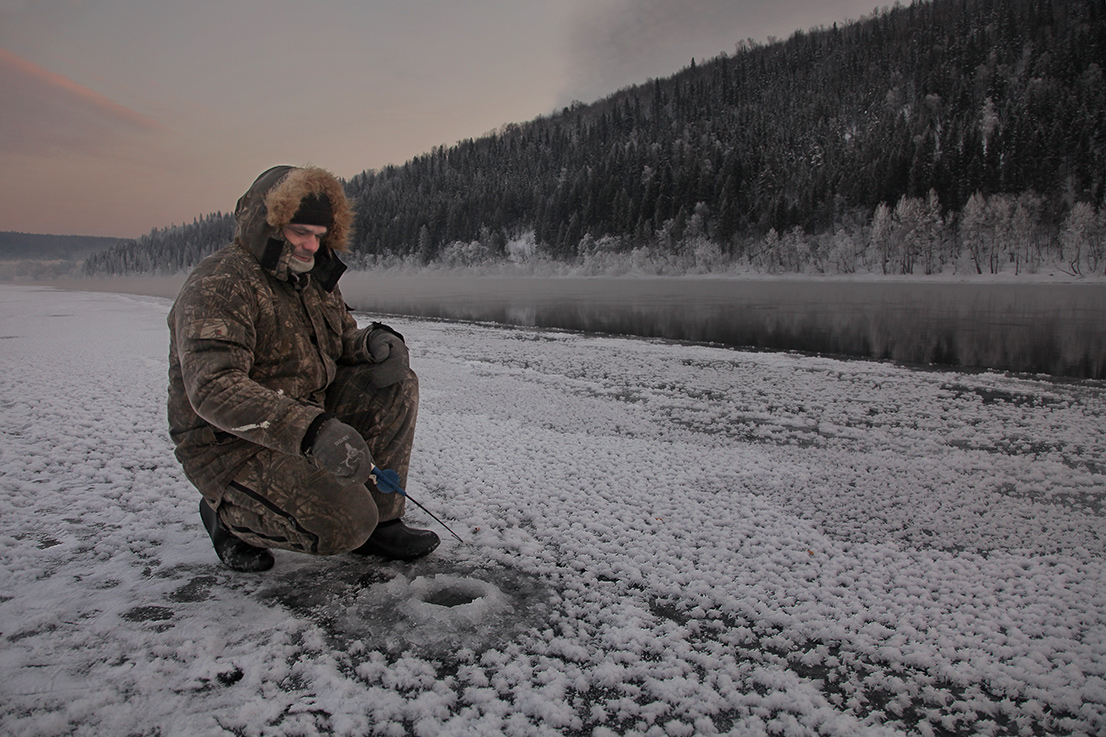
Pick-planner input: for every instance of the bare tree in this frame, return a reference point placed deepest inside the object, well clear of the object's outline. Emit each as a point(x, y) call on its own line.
point(905, 224)
point(931, 234)
point(1081, 238)
point(1000, 214)
point(1024, 246)
point(880, 237)
point(973, 228)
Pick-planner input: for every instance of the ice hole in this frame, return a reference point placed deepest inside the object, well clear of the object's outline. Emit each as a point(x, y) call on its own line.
point(453, 594)
point(445, 598)
point(431, 613)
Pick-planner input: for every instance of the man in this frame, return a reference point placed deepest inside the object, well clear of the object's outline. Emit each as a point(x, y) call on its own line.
point(279, 405)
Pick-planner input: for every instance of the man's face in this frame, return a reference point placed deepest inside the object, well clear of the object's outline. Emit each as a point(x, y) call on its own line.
point(305, 241)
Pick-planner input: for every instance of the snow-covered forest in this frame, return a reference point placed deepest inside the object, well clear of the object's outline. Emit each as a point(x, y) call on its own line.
point(994, 235)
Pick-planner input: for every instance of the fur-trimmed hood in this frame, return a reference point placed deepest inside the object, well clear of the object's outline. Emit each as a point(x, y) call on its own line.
point(269, 205)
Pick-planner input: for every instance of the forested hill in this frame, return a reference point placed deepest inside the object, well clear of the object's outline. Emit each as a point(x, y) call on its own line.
point(165, 250)
point(16, 246)
point(915, 138)
point(30, 256)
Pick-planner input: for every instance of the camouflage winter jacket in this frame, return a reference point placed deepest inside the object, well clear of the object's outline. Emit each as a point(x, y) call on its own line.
point(252, 346)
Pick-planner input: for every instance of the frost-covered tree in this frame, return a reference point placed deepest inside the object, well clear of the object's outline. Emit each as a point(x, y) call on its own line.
point(974, 233)
point(879, 237)
point(906, 224)
point(1000, 216)
point(1081, 238)
point(931, 234)
point(1025, 246)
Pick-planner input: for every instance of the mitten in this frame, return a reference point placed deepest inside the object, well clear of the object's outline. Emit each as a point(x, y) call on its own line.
point(340, 450)
point(391, 361)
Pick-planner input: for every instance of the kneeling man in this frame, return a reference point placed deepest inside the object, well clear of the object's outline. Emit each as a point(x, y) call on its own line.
point(279, 405)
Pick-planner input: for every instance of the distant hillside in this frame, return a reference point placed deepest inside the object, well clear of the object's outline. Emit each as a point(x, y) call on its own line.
point(165, 250)
point(952, 135)
point(34, 247)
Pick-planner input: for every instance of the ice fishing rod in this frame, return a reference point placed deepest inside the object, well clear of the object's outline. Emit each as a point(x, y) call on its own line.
point(387, 481)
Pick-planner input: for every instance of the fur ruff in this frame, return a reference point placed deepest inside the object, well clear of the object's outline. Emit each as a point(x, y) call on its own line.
point(283, 200)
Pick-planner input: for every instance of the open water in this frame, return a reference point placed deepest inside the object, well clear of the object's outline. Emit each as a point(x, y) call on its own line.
point(1048, 328)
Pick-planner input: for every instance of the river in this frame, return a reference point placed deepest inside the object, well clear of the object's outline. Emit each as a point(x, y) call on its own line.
point(1035, 327)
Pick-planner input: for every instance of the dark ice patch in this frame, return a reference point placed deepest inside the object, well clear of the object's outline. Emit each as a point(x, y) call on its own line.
point(198, 589)
point(148, 614)
point(426, 607)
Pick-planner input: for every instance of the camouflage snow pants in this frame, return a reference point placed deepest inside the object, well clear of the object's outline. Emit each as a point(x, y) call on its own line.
point(282, 501)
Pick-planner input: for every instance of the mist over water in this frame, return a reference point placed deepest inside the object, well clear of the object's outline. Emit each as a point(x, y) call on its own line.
point(1051, 328)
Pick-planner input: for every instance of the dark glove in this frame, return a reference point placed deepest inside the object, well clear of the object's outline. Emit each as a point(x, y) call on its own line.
point(340, 450)
point(391, 360)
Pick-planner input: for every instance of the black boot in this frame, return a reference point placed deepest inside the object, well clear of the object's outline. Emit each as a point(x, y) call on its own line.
point(396, 541)
point(234, 552)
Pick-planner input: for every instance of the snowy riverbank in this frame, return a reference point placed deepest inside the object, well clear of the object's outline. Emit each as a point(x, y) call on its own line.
point(661, 539)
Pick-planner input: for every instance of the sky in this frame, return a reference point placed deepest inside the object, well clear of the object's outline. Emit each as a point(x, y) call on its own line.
point(119, 116)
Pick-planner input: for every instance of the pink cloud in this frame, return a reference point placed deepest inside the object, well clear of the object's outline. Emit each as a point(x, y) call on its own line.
point(47, 112)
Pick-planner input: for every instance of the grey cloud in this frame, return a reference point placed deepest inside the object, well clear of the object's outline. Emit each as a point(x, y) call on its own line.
point(624, 42)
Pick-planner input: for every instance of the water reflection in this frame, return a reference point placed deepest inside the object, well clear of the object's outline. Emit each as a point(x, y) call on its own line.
point(1049, 328)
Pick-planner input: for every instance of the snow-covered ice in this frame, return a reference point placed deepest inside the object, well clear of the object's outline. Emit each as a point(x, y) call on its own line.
point(660, 539)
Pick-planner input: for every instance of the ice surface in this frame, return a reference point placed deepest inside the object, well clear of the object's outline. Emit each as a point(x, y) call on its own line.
point(661, 539)
point(432, 607)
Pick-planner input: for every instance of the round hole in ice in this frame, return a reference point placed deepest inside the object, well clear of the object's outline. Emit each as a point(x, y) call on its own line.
point(431, 613)
point(453, 594)
point(468, 597)
point(452, 606)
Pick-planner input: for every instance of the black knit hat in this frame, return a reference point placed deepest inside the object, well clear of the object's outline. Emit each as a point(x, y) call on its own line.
point(314, 210)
